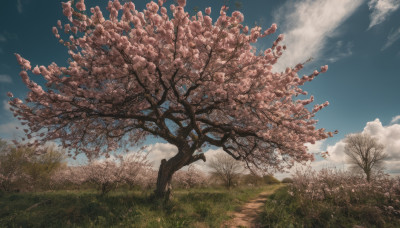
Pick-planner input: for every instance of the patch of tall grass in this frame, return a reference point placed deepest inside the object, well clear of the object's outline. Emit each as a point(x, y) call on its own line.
point(331, 198)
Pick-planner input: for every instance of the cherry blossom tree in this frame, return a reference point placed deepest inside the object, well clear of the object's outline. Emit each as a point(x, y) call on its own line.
point(191, 177)
point(186, 79)
point(133, 167)
point(105, 175)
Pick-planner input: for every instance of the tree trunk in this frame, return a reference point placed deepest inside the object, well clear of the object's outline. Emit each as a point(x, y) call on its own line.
point(163, 187)
point(168, 168)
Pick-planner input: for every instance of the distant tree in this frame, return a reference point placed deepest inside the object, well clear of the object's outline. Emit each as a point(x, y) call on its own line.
point(269, 179)
point(251, 179)
point(69, 177)
point(364, 153)
point(133, 166)
point(12, 160)
point(287, 180)
point(39, 167)
point(187, 79)
point(106, 175)
point(28, 167)
point(190, 178)
point(225, 168)
point(3, 146)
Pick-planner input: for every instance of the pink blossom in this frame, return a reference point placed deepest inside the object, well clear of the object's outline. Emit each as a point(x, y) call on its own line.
point(220, 76)
point(36, 70)
point(67, 28)
point(9, 94)
point(208, 10)
point(239, 16)
point(117, 5)
point(59, 24)
point(24, 76)
point(182, 3)
point(324, 68)
point(67, 9)
point(55, 31)
point(81, 5)
point(25, 64)
point(184, 68)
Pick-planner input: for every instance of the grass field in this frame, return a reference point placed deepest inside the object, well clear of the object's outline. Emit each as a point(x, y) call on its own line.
point(200, 207)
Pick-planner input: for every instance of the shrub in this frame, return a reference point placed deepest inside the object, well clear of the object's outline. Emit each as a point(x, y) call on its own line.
point(269, 179)
point(252, 180)
point(287, 180)
point(28, 168)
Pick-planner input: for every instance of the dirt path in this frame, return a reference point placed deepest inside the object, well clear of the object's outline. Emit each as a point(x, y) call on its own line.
point(248, 214)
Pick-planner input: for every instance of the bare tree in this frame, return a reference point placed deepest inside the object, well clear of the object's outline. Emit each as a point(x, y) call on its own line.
point(225, 168)
point(365, 153)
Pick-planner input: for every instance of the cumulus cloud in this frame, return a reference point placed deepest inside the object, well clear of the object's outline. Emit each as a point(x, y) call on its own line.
point(9, 130)
point(389, 136)
point(381, 9)
point(6, 106)
point(393, 36)
point(159, 151)
point(316, 147)
point(307, 25)
point(5, 78)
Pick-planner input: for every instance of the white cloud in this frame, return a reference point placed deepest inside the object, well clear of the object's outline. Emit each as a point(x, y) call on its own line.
point(392, 37)
point(395, 119)
point(389, 136)
point(9, 131)
point(381, 9)
point(159, 151)
point(19, 6)
point(5, 78)
point(307, 25)
point(316, 147)
point(6, 106)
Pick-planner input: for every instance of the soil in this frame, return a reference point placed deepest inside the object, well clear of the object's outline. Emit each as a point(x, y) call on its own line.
point(249, 213)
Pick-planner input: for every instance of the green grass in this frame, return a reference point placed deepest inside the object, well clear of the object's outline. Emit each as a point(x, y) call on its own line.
point(201, 207)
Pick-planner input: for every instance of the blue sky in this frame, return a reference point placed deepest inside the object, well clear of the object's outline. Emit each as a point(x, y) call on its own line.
point(358, 39)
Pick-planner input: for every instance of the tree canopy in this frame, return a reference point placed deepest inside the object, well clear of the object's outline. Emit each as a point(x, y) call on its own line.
point(186, 79)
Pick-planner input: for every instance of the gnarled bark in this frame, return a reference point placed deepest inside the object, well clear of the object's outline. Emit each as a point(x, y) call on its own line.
point(168, 168)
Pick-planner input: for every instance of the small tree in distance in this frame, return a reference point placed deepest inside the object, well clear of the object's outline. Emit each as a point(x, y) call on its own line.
point(185, 79)
point(225, 168)
point(364, 153)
